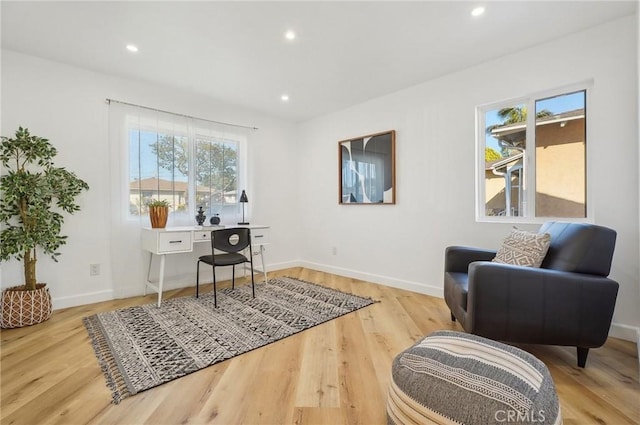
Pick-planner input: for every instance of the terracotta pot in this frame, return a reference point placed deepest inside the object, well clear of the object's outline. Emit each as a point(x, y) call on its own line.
point(25, 308)
point(158, 216)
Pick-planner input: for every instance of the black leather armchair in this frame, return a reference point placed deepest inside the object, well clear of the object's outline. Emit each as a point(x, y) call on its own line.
point(567, 301)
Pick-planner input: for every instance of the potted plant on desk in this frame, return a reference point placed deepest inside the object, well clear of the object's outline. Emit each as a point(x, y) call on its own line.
point(158, 213)
point(34, 193)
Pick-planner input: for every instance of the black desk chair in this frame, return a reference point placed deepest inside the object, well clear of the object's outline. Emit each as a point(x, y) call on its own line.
point(231, 242)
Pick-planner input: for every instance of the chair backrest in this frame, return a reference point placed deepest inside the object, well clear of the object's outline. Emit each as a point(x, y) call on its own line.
point(579, 247)
point(234, 239)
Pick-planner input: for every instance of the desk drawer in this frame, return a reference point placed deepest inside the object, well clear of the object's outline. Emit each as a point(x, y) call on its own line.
point(201, 235)
point(174, 241)
point(259, 236)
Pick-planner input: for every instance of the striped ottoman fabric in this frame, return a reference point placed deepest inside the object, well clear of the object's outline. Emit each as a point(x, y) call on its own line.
point(457, 378)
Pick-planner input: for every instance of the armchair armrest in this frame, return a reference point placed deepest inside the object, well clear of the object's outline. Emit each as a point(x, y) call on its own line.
point(540, 306)
point(458, 258)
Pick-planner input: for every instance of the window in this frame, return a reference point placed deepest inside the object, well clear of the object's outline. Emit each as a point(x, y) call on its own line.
point(183, 161)
point(534, 165)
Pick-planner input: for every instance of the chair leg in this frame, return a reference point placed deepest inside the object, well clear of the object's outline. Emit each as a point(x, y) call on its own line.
point(253, 285)
point(233, 277)
point(215, 296)
point(198, 280)
point(582, 356)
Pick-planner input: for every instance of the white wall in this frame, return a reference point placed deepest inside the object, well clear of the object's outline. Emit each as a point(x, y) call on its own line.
point(638, 129)
point(67, 105)
point(403, 245)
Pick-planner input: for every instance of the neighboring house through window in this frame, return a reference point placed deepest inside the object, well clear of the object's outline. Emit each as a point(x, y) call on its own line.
point(534, 165)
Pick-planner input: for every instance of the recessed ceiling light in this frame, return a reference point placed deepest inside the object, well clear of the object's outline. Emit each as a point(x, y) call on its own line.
point(284, 97)
point(289, 35)
point(132, 48)
point(478, 11)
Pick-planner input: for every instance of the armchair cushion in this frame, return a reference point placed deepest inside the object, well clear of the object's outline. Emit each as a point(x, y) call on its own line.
point(522, 248)
point(579, 247)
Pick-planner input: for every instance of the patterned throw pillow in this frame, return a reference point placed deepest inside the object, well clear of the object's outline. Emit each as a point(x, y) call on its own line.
point(522, 248)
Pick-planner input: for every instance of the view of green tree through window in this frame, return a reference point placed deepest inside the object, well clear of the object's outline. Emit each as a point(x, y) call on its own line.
point(534, 166)
point(216, 173)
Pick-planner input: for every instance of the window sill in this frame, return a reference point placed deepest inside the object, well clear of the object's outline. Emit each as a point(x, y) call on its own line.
point(531, 220)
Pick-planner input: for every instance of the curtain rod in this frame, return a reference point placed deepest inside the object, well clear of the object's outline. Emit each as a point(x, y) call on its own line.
point(181, 115)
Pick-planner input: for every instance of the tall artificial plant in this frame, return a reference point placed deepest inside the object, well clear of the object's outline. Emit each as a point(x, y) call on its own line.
point(34, 193)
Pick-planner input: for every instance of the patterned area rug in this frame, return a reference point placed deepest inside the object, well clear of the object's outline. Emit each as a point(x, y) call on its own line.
point(144, 346)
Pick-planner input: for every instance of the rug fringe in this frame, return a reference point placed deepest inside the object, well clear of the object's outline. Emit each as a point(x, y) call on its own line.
point(108, 364)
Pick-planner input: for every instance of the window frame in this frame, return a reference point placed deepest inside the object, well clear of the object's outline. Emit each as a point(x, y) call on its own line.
point(192, 132)
point(528, 183)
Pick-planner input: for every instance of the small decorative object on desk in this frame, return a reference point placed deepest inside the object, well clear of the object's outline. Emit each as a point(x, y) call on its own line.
point(243, 200)
point(200, 217)
point(215, 220)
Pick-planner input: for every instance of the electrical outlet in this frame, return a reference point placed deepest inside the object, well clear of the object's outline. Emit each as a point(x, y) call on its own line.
point(94, 269)
point(334, 250)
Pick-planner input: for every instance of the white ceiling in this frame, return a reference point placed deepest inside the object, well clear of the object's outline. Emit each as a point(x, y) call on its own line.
point(345, 52)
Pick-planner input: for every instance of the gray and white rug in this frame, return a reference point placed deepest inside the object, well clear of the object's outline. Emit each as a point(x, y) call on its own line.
point(144, 346)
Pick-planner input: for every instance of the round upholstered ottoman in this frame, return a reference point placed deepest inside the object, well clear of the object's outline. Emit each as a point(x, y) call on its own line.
point(453, 377)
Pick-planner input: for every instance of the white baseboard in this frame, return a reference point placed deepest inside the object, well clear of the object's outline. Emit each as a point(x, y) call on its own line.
point(187, 280)
point(626, 332)
point(284, 265)
point(618, 330)
point(422, 288)
point(206, 276)
point(638, 351)
point(82, 299)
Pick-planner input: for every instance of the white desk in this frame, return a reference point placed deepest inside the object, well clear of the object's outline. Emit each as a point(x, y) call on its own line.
point(177, 240)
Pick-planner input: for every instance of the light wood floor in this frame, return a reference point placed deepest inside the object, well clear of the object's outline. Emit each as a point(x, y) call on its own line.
point(335, 373)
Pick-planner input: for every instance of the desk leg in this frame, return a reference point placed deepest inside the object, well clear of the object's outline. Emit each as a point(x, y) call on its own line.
point(161, 279)
point(264, 267)
point(148, 272)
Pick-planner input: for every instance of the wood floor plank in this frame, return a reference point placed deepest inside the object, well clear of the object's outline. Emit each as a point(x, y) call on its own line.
point(360, 395)
point(334, 373)
point(277, 381)
point(319, 416)
point(318, 386)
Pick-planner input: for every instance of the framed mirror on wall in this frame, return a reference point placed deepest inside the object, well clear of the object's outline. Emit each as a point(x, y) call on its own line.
point(367, 170)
